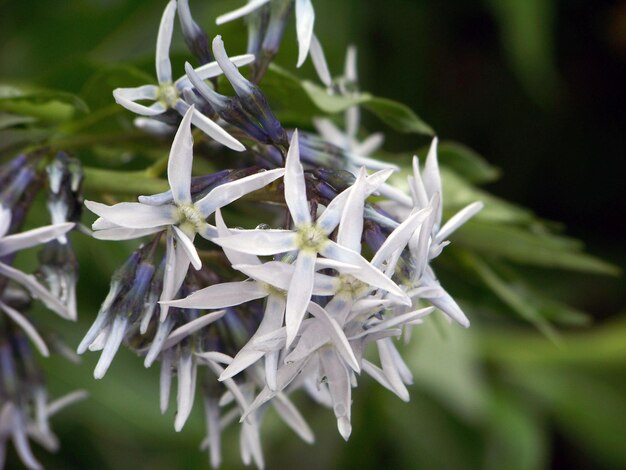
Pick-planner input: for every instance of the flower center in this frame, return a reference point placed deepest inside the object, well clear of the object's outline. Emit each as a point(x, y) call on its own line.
point(351, 286)
point(311, 237)
point(190, 220)
point(168, 95)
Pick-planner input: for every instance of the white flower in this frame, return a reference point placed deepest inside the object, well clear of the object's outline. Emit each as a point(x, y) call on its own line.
point(307, 41)
point(167, 94)
point(310, 238)
point(11, 243)
point(429, 241)
point(183, 218)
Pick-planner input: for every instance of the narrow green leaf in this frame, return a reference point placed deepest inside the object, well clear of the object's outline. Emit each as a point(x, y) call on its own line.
point(123, 182)
point(397, 116)
point(529, 247)
point(466, 162)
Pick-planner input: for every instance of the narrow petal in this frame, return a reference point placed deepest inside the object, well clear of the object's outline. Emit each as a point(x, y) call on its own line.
point(366, 272)
point(351, 224)
point(35, 288)
point(176, 267)
point(180, 160)
point(395, 321)
point(432, 178)
point(295, 187)
point(338, 379)
point(226, 294)
point(299, 293)
point(182, 332)
point(137, 108)
point(332, 214)
point(214, 131)
point(350, 70)
point(290, 415)
point(186, 390)
point(27, 327)
point(330, 132)
point(113, 342)
point(212, 70)
point(122, 233)
point(260, 242)
point(234, 256)
point(305, 18)
point(187, 244)
point(336, 334)
point(164, 39)
point(19, 241)
point(144, 92)
point(399, 238)
point(226, 193)
point(457, 220)
point(165, 381)
point(319, 61)
point(275, 273)
point(134, 214)
point(390, 370)
point(249, 7)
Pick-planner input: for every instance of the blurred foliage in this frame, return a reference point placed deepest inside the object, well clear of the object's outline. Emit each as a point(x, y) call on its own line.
point(499, 395)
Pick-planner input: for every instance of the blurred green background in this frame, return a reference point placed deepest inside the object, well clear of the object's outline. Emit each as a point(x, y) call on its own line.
point(535, 86)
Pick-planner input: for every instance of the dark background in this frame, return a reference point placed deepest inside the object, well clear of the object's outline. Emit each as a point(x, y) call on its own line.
point(536, 87)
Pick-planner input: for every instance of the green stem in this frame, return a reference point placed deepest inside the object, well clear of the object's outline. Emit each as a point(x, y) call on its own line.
point(123, 182)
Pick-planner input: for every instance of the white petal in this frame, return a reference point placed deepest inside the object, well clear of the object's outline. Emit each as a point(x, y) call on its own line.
point(351, 225)
point(35, 288)
point(330, 132)
point(332, 214)
point(137, 108)
point(350, 70)
point(176, 266)
point(113, 342)
point(187, 329)
point(295, 186)
point(212, 70)
point(186, 390)
point(226, 193)
point(214, 131)
point(165, 381)
point(134, 214)
point(305, 17)
point(180, 160)
point(337, 336)
point(366, 272)
point(69, 399)
point(319, 61)
point(122, 233)
point(242, 11)
point(457, 220)
point(367, 147)
point(420, 242)
point(212, 418)
point(226, 294)
point(144, 92)
point(187, 244)
point(260, 242)
point(19, 241)
point(275, 273)
point(299, 293)
point(164, 39)
point(27, 327)
point(417, 186)
point(432, 178)
point(234, 256)
point(5, 220)
point(338, 379)
point(399, 238)
point(395, 321)
point(290, 415)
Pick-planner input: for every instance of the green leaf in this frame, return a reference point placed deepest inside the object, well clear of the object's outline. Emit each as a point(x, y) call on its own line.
point(516, 436)
point(14, 140)
point(50, 107)
point(397, 116)
point(299, 101)
point(466, 162)
point(509, 294)
point(529, 247)
point(123, 182)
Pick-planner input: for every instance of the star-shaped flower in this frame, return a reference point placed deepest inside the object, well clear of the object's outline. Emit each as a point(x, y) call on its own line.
point(168, 93)
point(311, 238)
point(183, 217)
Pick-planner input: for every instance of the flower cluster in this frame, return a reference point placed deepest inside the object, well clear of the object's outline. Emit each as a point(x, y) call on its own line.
point(311, 299)
point(24, 406)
